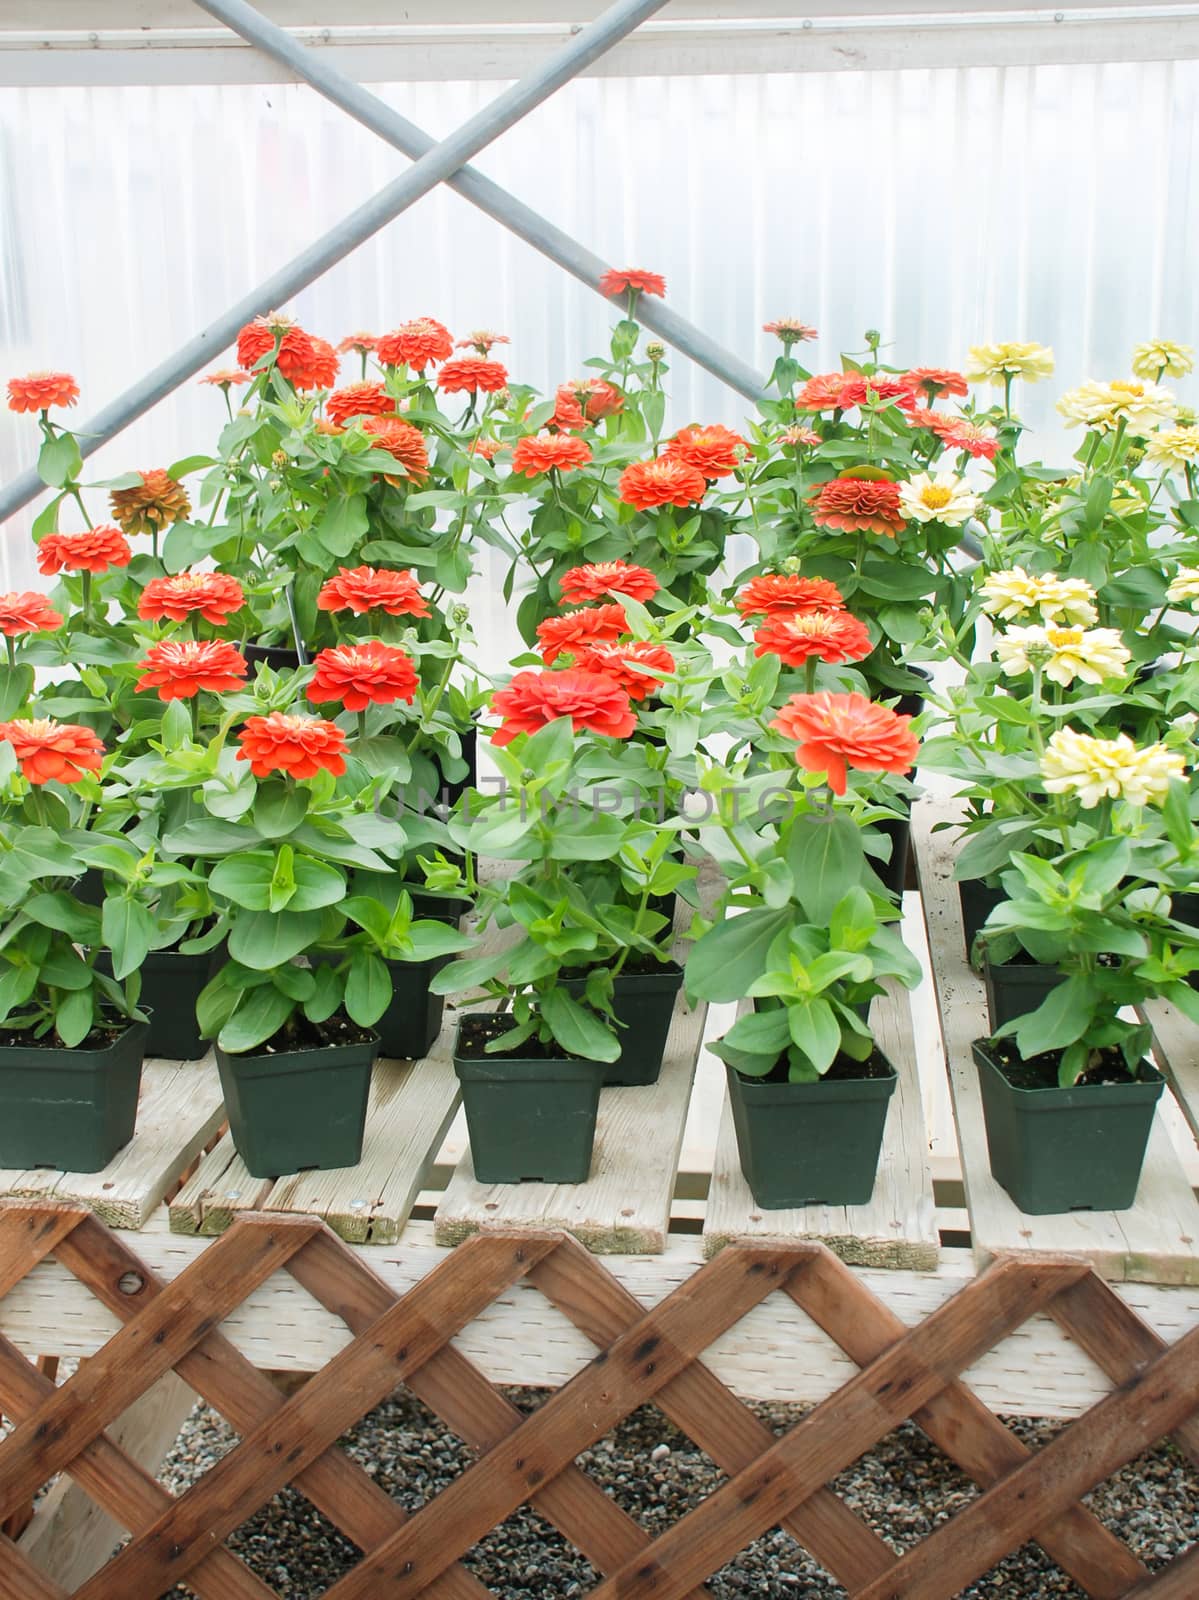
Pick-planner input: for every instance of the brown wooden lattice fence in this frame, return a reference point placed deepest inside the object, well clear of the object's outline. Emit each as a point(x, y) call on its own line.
point(642, 1355)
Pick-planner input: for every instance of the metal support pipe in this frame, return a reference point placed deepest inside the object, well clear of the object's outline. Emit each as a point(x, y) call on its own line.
point(436, 164)
point(375, 114)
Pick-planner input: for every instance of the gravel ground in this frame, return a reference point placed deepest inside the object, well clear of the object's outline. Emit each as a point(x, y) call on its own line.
point(903, 1488)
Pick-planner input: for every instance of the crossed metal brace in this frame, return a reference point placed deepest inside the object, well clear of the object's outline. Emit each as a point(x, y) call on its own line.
point(434, 163)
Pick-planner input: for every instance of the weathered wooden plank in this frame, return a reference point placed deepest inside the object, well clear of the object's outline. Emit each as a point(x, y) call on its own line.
point(897, 1227)
point(218, 1191)
point(179, 1111)
point(1177, 1041)
point(1155, 1240)
point(624, 1206)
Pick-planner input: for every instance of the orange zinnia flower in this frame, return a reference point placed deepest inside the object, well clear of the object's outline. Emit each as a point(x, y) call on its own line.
point(662, 482)
point(469, 374)
point(549, 452)
point(714, 451)
point(956, 433)
point(227, 377)
point(790, 330)
point(362, 589)
point(836, 731)
point(362, 342)
point(482, 340)
point(637, 666)
point(832, 636)
point(53, 752)
point(934, 381)
point(93, 551)
point(321, 371)
point(299, 746)
point(598, 578)
point(27, 611)
point(590, 699)
point(361, 675)
point(401, 440)
point(415, 344)
point(215, 595)
point(865, 505)
point(38, 391)
point(585, 400)
point(360, 400)
point(575, 630)
point(922, 417)
point(619, 280)
point(180, 668)
point(152, 504)
point(487, 448)
point(780, 594)
point(798, 436)
point(257, 339)
point(839, 391)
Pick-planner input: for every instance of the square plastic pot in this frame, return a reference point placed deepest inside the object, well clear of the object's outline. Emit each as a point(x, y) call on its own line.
point(1014, 988)
point(810, 1143)
point(529, 1120)
point(300, 1109)
point(70, 1109)
point(644, 1003)
point(1077, 1149)
point(171, 985)
point(978, 899)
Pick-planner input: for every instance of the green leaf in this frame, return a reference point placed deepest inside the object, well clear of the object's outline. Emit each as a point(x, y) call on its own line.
point(263, 939)
point(244, 879)
point(16, 685)
point(760, 1032)
point(1062, 1017)
point(342, 524)
point(317, 884)
point(279, 808)
point(815, 1031)
point(826, 859)
point(727, 959)
point(368, 988)
point(577, 1029)
point(990, 849)
point(74, 1017)
point(65, 915)
point(327, 993)
point(258, 1017)
point(462, 975)
point(181, 468)
point(128, 931)
point(59, 462)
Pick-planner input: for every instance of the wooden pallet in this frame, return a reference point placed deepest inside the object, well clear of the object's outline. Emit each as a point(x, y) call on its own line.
point(1157, 1239)
point(656, 1353)
point(179, 1112)
point(898, 1226)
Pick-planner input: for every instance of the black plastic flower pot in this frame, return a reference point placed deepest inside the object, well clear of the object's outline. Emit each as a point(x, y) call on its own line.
point(412, 1021)
point(454, 789)
point(1014, 988)
point(644, 1002)
point(439, 907)
point(810, 1143)
point(298, 1109)
point(894, 873)
point(171, 984)
point(1077, 1149)
point(279, 657)
point(978, 899)
point(530, 1120)
point(70, 1109)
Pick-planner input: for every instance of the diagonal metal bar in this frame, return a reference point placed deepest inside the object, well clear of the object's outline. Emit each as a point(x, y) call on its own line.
point(367, 108)
point(434, 166)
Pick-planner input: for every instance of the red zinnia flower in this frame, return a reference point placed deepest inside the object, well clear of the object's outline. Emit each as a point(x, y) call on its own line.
point(839, 391)
point(662, 482)
point(227, 377)
point(790, 330)
point(362, 589)
point(257, 339)
point(866, 505)
point(482, 340)
point(585, 400)
point(548, 452)
point(934, 381)
point(575, 630)
point(836, 731)
point(958, 434)
point(714, 451)
point(487, 448)
point(401, 440)
point(923, 417)
point(27, 611)
point(299, 746)
point(832, 636)
point(47, 751)
point(151, 505)
point(415, 344)
point(180, 668)
point(321, 371)
point(37, 391)
point(568, 413)
point(362, 342)
point(470, 373)
point(361, 675)
point(93, 551)
point(619, 280)
point(360, 400)
point(783, 594)
point(590, 699)
point(215, 595)
point(598, 578)
point(625, 664)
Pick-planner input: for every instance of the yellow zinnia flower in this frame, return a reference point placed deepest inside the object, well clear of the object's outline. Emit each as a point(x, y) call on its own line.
point(1184, 587)
point(996, 363)
point(1014, 593)
point(1160, 355)
point(1091, 654)
point(945, 498)
point(1112, 769)
point(1173, 447)
point(1103, 406)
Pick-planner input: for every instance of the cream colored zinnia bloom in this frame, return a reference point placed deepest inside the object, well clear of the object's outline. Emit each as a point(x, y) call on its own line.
point(1091, 654)
point(1014, 593)
point(1173, 447)
point(945, 498)
point(1160, 355)
point(1184, 587)
point(996, 363)
point(1108, 769)
point(1103, 406)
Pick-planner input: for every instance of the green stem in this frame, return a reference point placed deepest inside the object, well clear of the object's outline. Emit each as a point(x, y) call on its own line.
point(809, 675)
point(289, 594)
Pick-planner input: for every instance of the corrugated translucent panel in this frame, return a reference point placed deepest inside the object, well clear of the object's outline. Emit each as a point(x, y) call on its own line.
point(941, 207)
